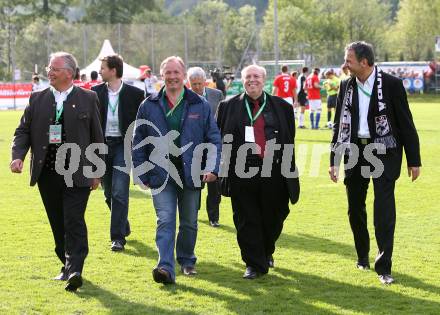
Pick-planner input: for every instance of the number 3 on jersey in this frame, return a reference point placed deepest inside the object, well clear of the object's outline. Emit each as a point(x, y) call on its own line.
point(286, 86)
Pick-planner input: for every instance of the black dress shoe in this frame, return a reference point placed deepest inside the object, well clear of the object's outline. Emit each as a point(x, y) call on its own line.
point(160, 275)
point(62, 276)
point(270, 262)
point(214, 223)
point(363, 266)
point(386, 279)
point(74, 282)
point(251, 273)
point(117, 246)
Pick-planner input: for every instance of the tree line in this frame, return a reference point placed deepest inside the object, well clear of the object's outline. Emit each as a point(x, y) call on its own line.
point(213, 31)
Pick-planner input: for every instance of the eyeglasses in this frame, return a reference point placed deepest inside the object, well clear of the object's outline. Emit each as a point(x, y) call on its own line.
point(54, 69)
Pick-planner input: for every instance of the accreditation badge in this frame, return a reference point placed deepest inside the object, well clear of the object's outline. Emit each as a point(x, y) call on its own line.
point(249, 134)
point(112, 126)
point(55, 133)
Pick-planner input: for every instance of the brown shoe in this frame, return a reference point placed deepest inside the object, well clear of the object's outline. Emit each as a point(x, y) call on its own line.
point(160, 275)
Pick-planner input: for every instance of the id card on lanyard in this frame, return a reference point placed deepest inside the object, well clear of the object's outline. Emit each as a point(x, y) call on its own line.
point(249, 135)
point(56, 130)
point(55, 134)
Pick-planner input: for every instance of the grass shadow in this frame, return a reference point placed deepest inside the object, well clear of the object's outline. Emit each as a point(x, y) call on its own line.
point(117, 305)
point(222, 227)
point(380, 299)
point(311, 243)
point(270, 294)
point(409, 281)
point(137, 248)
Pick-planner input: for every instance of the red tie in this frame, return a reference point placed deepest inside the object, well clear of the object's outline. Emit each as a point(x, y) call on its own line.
point(260, 137)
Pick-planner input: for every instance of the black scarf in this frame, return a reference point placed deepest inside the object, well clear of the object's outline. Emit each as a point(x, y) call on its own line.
point(382, 132)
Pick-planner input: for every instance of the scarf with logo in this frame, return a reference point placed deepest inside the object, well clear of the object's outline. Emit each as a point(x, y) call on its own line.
point(382, 132)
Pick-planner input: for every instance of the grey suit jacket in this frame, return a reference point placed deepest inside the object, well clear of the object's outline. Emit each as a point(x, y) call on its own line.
point(214, 97)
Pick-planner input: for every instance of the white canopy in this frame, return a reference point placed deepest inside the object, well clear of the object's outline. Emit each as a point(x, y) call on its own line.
point(130, 72)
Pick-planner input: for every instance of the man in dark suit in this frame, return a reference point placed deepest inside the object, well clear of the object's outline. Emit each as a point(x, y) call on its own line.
point(373, 119)
point(197, 79)
point(119, 103)
point(61, 114)
point(262, 181)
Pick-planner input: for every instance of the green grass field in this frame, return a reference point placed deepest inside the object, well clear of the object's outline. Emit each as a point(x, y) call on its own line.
point(315, 258)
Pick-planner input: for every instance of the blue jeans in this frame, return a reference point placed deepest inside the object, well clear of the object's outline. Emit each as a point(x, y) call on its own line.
point(116, 190)
point(166, 203)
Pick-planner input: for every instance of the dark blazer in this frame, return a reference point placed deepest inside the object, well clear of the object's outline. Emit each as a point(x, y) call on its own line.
point(400, 120)
point(214, 97)
point(130, 98)
point(82, 126)
point(229, 119)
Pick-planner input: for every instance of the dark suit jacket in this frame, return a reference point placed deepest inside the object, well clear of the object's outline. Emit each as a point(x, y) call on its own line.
point(229, 119)
point(130, 98)
point(214, 97)
point(400, 120)
point(82, 126)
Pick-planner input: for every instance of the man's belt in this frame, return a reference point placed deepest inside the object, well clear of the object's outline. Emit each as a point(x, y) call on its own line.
point(114, 139)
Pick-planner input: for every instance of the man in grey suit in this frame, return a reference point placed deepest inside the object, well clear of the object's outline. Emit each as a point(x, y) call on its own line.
point(197, 79)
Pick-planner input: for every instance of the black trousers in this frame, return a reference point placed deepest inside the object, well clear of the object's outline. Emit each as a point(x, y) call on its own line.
point(260, 206)
point(213, 200)
point(65, 208)
point(384, 215)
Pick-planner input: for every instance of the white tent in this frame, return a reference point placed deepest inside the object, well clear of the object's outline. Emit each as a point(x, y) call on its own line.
point(130, 72)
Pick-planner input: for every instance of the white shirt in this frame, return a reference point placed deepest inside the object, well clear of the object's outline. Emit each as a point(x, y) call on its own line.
point(112, 125)
point(364, 104)
point(60, 97)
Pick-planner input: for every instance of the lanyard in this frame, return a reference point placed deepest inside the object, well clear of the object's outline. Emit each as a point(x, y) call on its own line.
point(114, 106)
point(179, 100)
point(363, 91)
point(58, 113)
point(252, 119)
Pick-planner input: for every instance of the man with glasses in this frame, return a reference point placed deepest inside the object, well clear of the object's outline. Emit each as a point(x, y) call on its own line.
point(61, 114)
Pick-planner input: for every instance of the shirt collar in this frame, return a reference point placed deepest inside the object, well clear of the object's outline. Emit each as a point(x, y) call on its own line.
point(260, 99)
point(57, 93)
point(370, 81)
point(110, 92)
